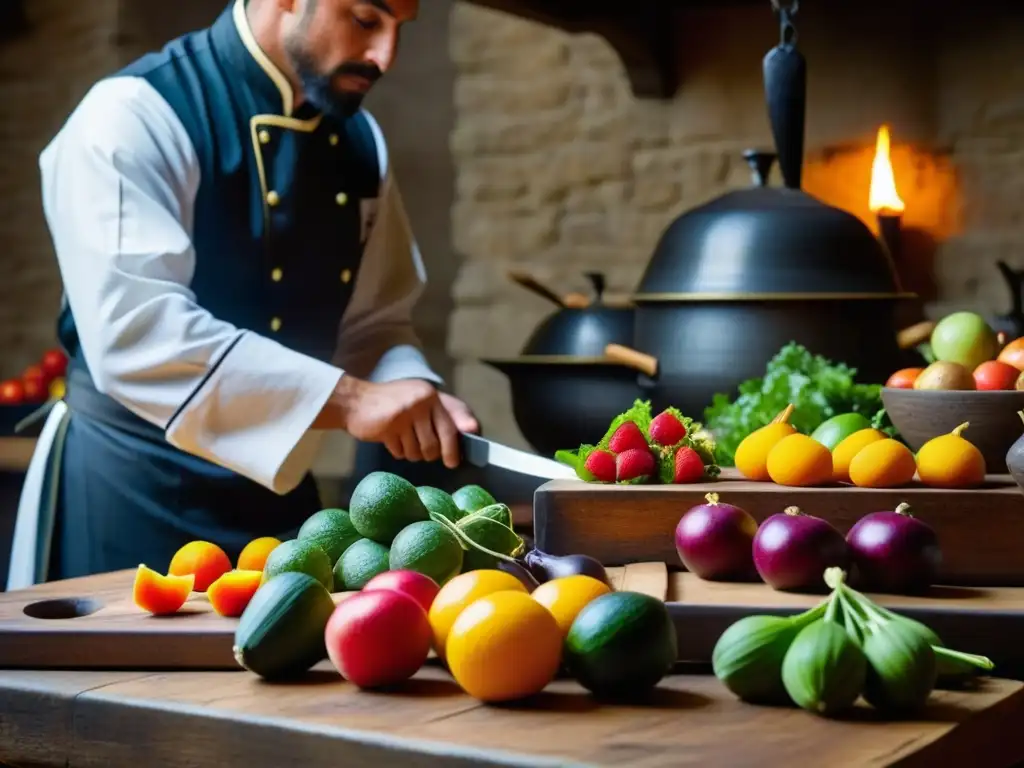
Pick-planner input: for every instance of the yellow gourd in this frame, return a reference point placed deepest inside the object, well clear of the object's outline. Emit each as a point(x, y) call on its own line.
point(849, 447)
point(951, 461)
point(799, 460)
point(751, 457)
point(882, 464)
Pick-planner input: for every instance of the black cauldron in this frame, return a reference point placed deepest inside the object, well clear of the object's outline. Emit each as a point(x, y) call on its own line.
point(564, 390)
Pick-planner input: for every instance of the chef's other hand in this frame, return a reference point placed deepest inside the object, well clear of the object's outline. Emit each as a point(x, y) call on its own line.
point(407, 416)
point(463, 417)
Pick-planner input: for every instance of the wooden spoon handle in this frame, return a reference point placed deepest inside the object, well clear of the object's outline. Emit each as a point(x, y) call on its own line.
point(530, 283)
point(915, 335)
point(632, 358)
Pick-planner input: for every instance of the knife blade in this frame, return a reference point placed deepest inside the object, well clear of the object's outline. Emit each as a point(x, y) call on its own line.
point(481, 452)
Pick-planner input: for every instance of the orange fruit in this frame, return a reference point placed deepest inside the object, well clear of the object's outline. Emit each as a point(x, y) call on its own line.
point(460, 592)
point(751, 457)
point(883, 464)
point(567, 596)
point(1013, 354)
point(904, 378)
point(504, 646)
point(206, 561)
point(254, 556)
point(232, 591)
point(849, 447)
point(159, 594)
point(800, 461)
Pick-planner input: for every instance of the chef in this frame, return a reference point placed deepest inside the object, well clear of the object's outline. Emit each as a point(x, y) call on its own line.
point(239, 275)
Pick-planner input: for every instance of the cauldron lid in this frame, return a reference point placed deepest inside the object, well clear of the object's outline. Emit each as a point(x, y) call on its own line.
point(768, 243)
point(583, 331)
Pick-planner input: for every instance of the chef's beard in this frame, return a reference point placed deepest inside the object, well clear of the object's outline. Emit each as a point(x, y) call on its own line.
point(318, 88)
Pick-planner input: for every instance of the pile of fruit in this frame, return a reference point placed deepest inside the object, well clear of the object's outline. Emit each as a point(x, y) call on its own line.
point(847, 449)
point(640, 447)
point(965, 354)
point(846, 647)
point(38, 383)
point(885, 551)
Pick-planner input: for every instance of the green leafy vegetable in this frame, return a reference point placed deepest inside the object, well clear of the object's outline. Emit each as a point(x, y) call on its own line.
point(817, 387)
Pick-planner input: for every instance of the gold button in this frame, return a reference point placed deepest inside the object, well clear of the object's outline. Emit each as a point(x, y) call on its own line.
point(264, 137)
point(333, 139)
point(273, 198)
point(275, 324)
point(276, 274)
point(346, 275)
point(341, 198)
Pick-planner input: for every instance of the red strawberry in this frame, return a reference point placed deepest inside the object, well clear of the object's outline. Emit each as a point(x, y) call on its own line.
point(628, 436)
point(666, 429)
point(689, 466)
point(634, 463)
point(601, 464)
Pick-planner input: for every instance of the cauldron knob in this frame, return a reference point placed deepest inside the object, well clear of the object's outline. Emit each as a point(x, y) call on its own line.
point(760, 163)
point(597, 282)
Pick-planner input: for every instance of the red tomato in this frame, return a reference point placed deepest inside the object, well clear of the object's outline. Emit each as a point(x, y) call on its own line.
point(55, 363)
point(419, 587)
point(35, 391)
point(12, 392)
point(993, 374)
point(904, 378)
point(378, 637)
point(36, 375)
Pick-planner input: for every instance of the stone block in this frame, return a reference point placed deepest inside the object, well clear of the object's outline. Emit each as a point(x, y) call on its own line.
point(494, 231)
point(488, 93)
point(515, 133)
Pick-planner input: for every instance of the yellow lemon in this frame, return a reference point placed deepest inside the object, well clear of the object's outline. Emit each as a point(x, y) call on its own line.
point(567, 596)
point(847, 448)
point(883, 464)
point(460, 592)
point(503, 647)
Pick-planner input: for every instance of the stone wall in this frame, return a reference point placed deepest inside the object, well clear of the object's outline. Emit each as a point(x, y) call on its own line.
point(561, 170)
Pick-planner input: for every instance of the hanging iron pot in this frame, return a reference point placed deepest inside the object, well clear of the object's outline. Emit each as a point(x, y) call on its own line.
point(734, 280)
point(564, 390)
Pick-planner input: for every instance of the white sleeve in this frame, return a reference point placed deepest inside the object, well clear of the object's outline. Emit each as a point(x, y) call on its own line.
point(119, 183)
point(377, 339)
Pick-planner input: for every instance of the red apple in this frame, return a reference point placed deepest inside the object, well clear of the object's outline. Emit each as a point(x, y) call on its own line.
point(54, 362)
point(12, 392)
point(378, 637)
point(418, 586)
point(994, 374)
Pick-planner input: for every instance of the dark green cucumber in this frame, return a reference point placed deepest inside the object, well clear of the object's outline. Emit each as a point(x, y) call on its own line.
point(281, 632)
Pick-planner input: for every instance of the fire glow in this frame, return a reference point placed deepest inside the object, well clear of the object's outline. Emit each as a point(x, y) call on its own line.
point(883, 199)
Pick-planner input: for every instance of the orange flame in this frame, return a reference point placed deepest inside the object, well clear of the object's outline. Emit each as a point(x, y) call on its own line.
point(883, 197)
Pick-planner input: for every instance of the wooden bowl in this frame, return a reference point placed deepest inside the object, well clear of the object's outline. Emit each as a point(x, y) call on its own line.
point(920, 415)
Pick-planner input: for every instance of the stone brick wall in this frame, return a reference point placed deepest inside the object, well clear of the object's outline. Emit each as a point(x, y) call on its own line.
point(42, 75)
point(559, 169)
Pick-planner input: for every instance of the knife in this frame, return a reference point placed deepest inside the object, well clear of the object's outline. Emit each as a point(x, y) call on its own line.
point(481, 452)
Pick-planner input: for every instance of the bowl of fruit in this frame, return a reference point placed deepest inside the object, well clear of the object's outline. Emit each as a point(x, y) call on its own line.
point(22, 395)
point(974, 378)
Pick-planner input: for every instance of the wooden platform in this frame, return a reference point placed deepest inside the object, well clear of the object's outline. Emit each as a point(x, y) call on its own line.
point(981, 531)
point(220, 719)
point(91, 623)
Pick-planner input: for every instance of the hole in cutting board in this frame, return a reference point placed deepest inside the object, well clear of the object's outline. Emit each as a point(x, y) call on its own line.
point(64, 608)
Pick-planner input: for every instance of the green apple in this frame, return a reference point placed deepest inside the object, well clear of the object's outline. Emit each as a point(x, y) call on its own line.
point(964, 338)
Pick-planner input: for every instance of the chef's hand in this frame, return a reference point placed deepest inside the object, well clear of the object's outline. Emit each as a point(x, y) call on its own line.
point(410, 417)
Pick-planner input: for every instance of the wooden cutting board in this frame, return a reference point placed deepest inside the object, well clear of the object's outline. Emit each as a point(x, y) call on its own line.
point(984, 620)
point(981, 531)
point(91, 623)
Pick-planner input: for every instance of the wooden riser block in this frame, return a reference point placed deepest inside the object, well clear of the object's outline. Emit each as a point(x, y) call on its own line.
point(981, 531)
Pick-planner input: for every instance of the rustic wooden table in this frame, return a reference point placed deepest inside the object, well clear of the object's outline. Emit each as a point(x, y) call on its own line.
point(219, 719)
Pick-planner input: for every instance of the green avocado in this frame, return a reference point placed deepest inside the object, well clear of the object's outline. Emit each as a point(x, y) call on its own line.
point(833, 431)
